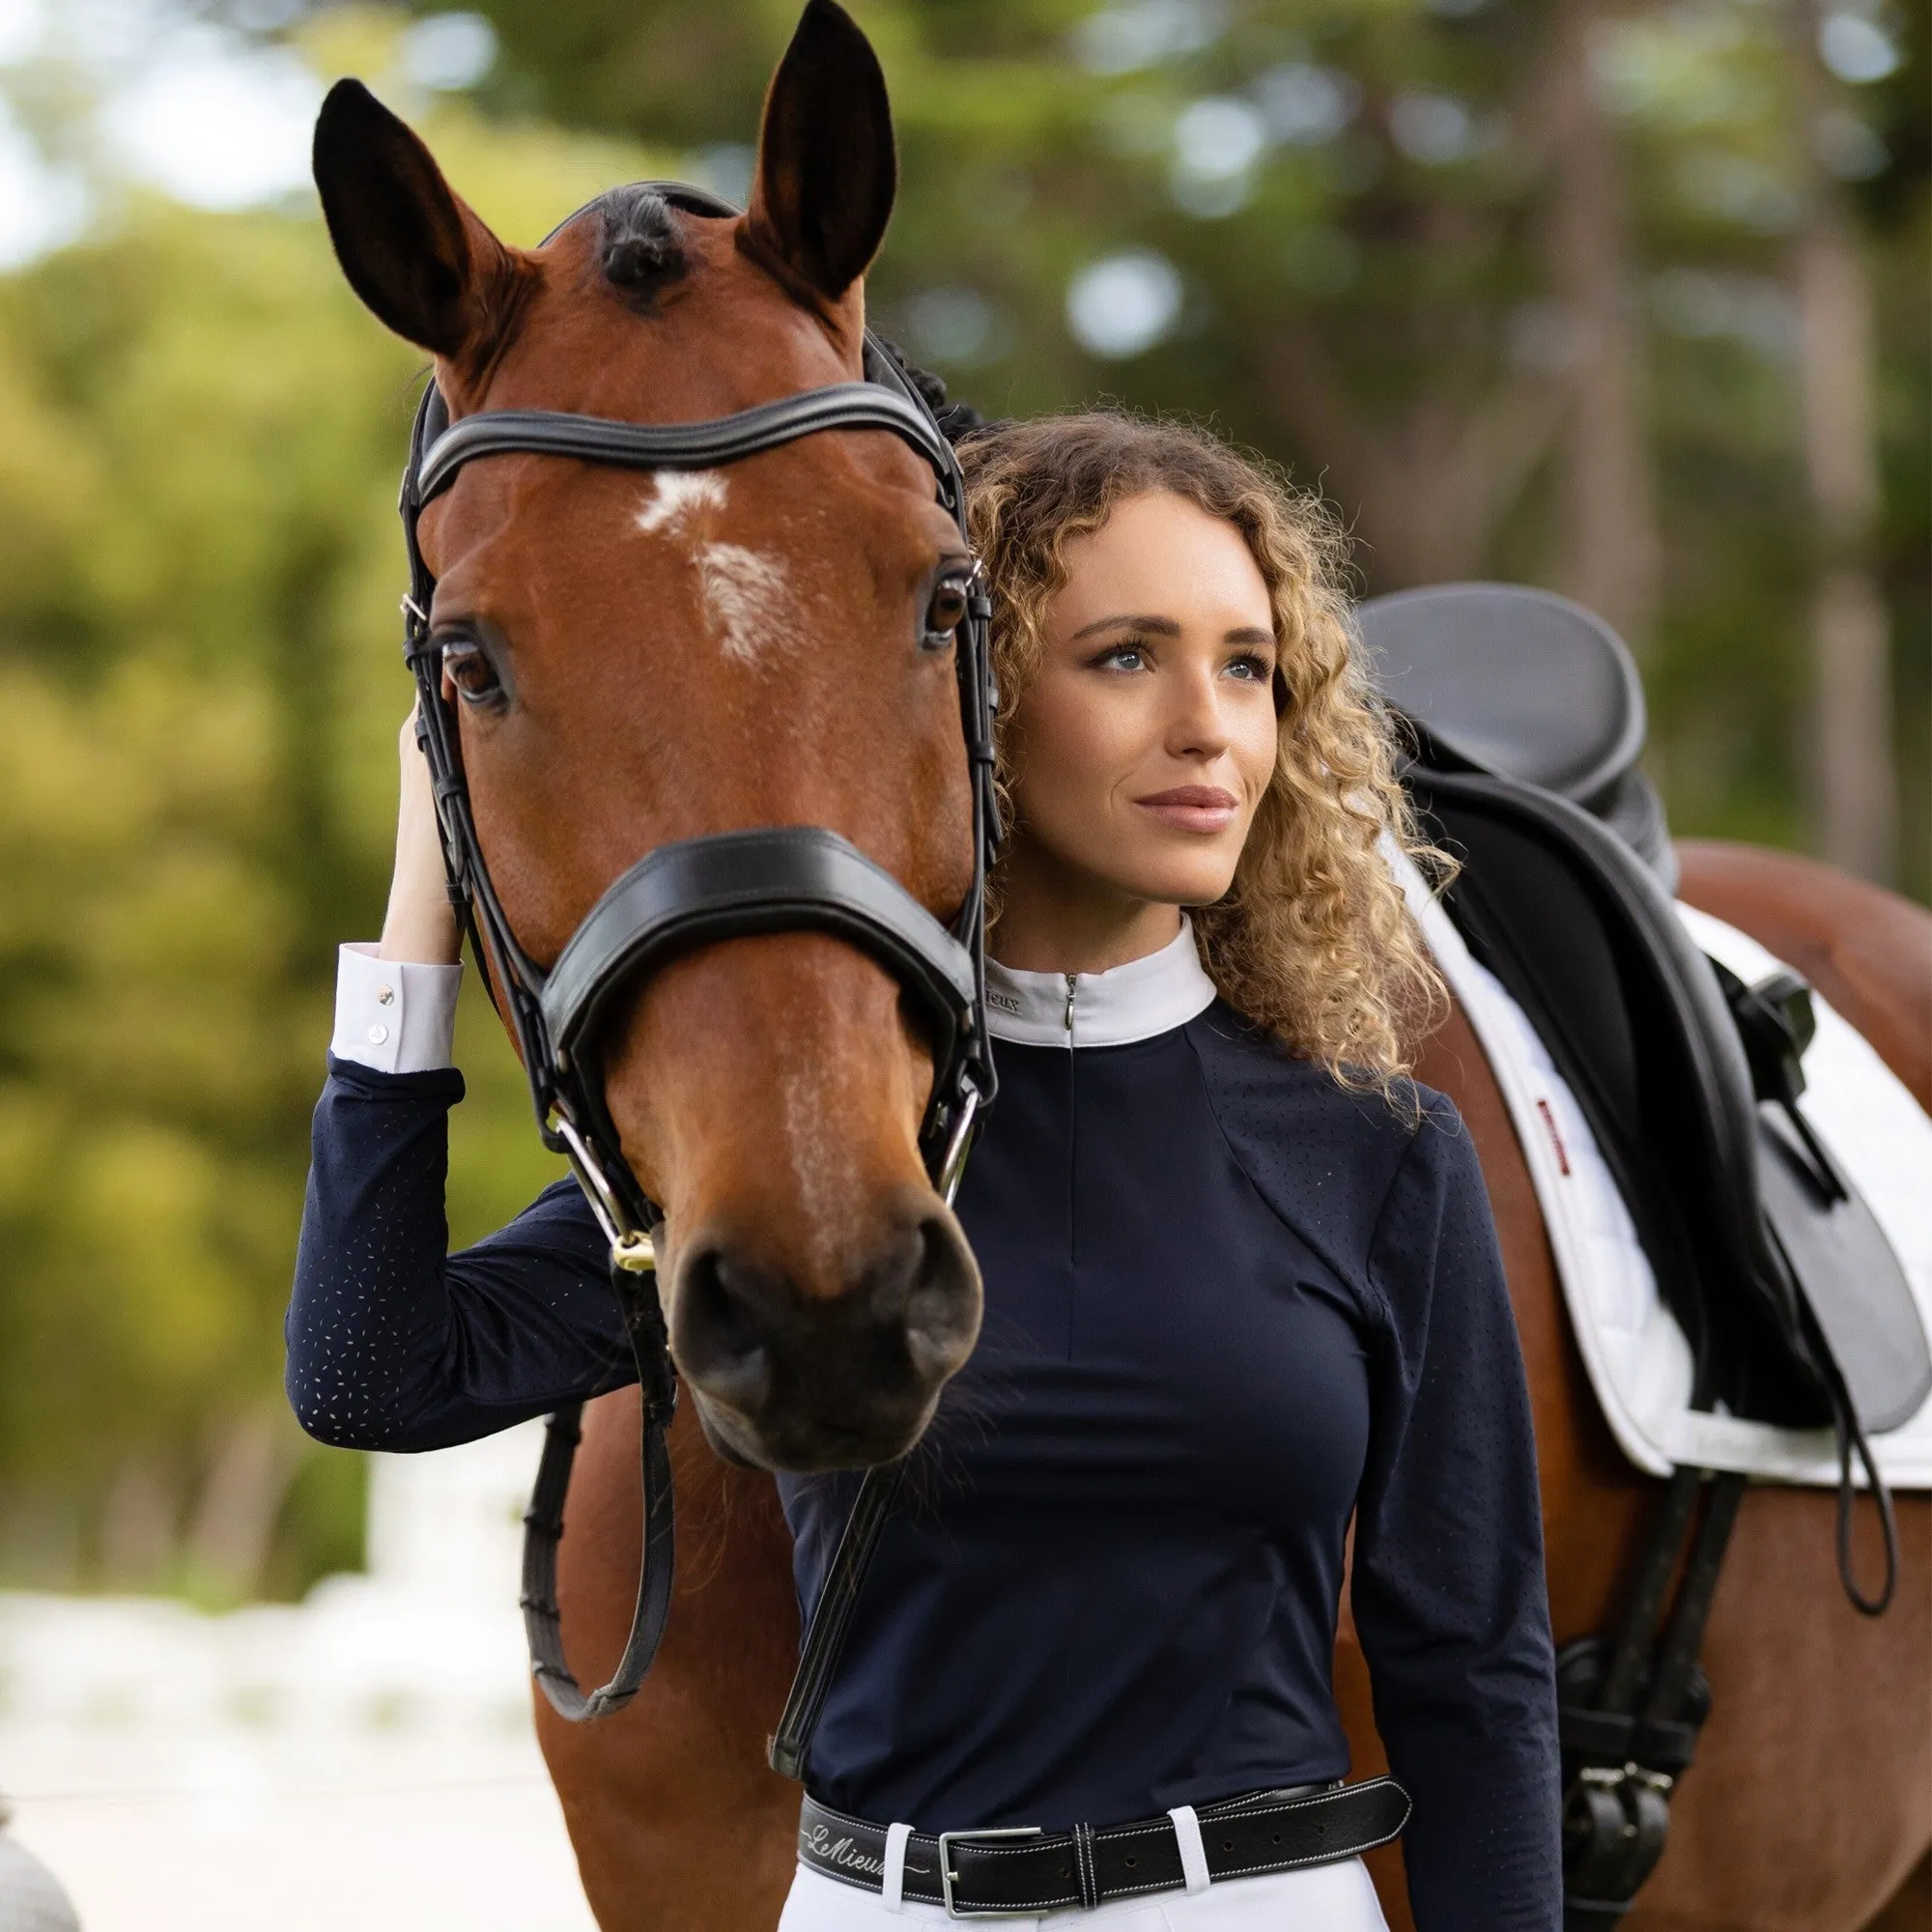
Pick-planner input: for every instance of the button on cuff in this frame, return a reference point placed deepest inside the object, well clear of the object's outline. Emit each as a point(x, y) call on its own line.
point(394, 1016)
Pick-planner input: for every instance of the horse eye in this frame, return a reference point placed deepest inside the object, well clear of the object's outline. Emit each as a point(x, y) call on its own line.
point(467, 667)
point(945, 611)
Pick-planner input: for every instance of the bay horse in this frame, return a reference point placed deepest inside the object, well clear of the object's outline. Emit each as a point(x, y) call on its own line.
point(760, 670)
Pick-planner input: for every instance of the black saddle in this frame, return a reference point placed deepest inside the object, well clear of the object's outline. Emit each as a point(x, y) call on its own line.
point(1503, 678)
point(1782, 1281)
point(1529, 720)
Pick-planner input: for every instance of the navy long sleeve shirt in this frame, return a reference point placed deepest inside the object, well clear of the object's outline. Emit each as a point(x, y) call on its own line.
point(1229, 1304)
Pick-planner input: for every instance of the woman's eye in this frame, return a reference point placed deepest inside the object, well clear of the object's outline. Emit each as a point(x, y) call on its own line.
point(467, 667)
point(945, 610)
point(1251, 670)
point(1122, 657)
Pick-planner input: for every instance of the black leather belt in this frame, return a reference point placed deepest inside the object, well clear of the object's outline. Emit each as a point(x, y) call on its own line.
point(1022, 1874)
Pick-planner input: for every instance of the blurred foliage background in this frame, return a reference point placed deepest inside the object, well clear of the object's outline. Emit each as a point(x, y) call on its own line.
point(1626, 298)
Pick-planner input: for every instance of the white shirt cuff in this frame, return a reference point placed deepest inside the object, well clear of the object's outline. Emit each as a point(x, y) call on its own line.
point(392, 1015)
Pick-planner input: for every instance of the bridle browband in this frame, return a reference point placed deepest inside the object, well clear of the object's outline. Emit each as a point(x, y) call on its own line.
point(696, 892)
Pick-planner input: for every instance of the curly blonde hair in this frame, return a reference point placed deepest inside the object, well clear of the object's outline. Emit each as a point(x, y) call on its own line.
point(1313, 942)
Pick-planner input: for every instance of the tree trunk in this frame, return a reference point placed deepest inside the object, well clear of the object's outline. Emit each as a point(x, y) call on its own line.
point(137, 1530)
point(1424, 487)
point(248, 1474)
point(1854, 780)
point(1427, 480)
point(1610, 547)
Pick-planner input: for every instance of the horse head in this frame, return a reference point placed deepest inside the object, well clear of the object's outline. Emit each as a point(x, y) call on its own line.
point(643, 657)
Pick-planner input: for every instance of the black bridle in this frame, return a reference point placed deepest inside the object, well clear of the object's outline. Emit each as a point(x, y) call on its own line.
point(678, 898)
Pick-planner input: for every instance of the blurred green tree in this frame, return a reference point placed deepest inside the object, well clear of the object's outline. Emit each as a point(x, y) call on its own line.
point(200, 437)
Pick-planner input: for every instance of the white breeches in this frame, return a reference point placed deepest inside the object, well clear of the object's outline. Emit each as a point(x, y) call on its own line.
point(1323, 1898)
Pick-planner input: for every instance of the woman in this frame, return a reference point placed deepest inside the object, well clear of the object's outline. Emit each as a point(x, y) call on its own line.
point(1241, 1283)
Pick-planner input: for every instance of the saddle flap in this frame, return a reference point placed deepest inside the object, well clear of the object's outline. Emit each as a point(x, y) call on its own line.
point(1852, 1279)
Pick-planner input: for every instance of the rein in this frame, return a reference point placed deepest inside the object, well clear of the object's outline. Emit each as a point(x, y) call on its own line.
point(677, 897)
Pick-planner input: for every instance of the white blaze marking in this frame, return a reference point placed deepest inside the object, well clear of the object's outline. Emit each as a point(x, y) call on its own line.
point(677, 494)
point(747, 597)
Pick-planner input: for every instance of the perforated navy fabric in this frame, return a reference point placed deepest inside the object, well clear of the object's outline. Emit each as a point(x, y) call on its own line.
point(1228, 1304)
point(393, 1343)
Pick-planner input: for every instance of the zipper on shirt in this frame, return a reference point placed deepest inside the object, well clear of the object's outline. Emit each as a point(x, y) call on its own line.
point(1073, 985)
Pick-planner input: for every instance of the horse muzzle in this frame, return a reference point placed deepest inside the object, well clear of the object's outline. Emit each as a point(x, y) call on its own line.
point(807, 1369)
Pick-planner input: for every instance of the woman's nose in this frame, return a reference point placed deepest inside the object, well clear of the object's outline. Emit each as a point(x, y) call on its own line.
point(1196, 725)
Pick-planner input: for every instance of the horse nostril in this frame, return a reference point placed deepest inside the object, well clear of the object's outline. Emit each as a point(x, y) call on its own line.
point(942, 1305)
point(721, 1328)
point(829, 1368)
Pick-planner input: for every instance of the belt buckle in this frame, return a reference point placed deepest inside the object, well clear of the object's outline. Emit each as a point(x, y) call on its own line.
point(947, 1840)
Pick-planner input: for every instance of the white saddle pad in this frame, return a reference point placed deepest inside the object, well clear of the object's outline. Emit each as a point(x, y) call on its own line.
point(1637, 1359)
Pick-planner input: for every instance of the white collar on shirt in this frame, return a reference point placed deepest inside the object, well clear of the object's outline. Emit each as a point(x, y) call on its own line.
point(1133, 1002)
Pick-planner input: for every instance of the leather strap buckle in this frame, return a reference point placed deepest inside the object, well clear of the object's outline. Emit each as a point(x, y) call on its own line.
point(947, 1877)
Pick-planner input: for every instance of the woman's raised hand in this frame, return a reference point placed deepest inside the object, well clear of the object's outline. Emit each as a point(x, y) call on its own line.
point(420, 924)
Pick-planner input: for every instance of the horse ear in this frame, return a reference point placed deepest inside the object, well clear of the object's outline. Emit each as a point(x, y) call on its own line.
point(421, 261)
point(826, 176)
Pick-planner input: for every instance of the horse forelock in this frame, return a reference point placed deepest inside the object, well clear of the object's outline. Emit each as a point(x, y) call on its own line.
point(638, 244)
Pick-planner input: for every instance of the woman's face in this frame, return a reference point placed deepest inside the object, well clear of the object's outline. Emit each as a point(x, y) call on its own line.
point(1148, 738)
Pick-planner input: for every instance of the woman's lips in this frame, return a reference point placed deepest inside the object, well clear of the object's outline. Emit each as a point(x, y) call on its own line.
point(1192, 808)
